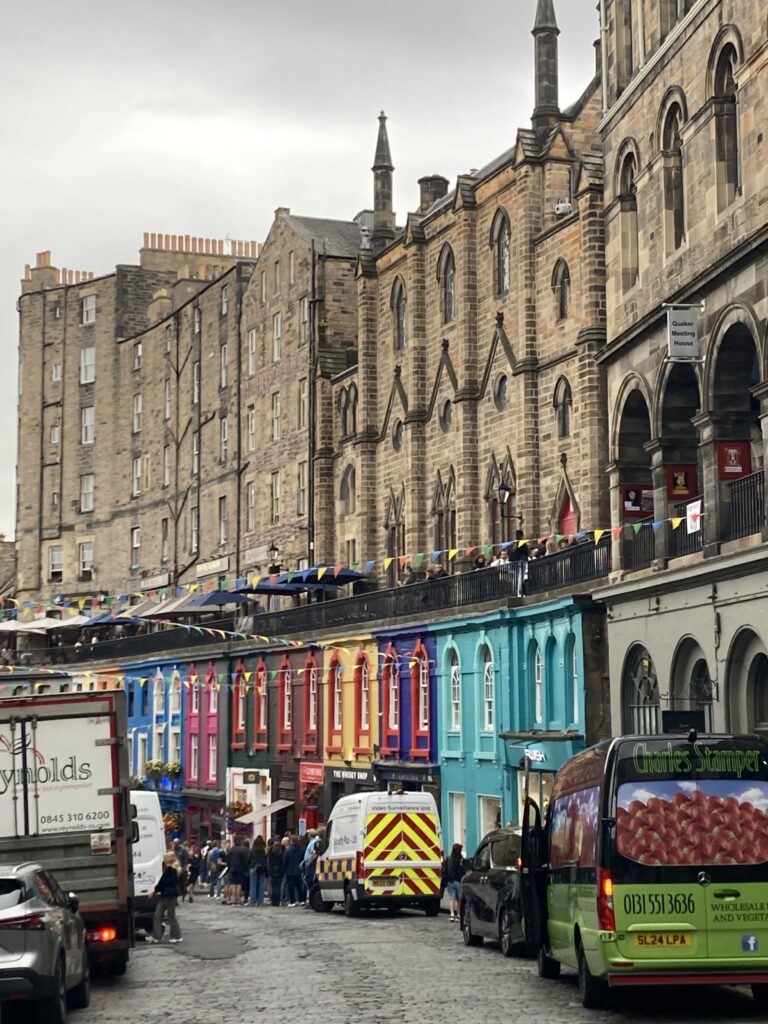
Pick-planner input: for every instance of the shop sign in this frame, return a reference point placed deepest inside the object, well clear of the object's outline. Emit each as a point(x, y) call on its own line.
point(254, 556)
point(534, 754)
point(213, 566)
point(734, 459)
point(163, 579)
point(251, 778)
point(352, 775)
point(682, 482)
point(311, 774)
point(683, 335)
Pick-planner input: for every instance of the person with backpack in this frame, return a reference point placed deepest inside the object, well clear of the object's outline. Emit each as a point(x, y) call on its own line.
point(454, 869)
point(276, 871)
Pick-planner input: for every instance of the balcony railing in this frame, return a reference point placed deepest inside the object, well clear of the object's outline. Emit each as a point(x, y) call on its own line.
point(680, 541)
point(747, 505)
point(641, 550)
point(564, 570)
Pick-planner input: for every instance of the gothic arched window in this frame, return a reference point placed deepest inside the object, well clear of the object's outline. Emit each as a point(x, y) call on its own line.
point(561, 286)
point(563, 406)
point(500, 240)
point(447, 278)
point(674, 185)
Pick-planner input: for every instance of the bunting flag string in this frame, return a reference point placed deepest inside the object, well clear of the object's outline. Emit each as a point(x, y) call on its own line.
point(24, 610)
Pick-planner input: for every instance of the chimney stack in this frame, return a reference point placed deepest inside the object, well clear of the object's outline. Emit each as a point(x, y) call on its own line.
point(431, 187)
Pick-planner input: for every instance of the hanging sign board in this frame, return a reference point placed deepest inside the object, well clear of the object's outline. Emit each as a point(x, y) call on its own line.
point(683, 334)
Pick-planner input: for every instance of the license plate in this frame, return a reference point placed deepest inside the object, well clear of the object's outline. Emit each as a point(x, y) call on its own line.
point(663, 939)
point(384, 883)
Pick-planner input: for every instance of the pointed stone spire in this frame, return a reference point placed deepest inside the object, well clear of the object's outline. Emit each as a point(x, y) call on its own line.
point(383, 214)
point(545, 33)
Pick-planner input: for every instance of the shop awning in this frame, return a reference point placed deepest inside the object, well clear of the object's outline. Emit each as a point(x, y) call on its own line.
point(264, 812)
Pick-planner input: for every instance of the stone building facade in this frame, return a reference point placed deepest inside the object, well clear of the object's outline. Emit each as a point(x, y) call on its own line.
point(686, 191)
point(129, 419)
point(480, 409)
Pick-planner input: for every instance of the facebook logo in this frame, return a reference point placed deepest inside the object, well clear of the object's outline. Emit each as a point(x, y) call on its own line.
point(749, 943)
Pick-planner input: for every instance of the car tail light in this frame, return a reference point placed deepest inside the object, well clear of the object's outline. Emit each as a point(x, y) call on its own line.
point(359, 869)
point(605, 916)
point(102, 935)
point(28, 923)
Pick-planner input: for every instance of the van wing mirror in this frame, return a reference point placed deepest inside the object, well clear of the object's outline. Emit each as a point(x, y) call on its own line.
point(134, 831)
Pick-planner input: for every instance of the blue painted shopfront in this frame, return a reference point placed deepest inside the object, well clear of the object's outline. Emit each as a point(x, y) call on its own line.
point(510, 685)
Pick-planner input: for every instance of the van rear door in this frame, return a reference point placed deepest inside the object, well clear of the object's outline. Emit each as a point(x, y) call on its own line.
point(401, 853)
point(690, 848)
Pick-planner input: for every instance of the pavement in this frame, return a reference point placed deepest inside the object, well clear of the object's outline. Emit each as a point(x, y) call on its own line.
point(270, 966)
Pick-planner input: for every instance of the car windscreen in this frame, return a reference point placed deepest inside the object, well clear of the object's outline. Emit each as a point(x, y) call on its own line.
point(11, 893)
point(505, 851)
point(681, 805)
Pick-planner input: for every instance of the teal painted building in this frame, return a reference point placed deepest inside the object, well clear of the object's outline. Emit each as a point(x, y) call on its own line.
point(516, 687)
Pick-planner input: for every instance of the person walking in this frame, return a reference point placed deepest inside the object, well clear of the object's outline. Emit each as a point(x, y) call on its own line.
point(257, 870)
point(310, 860)
point(193, 870)
point(276, 872)
point(454, 869)
point(167, 892)
point(294, 856)
point(237, 860)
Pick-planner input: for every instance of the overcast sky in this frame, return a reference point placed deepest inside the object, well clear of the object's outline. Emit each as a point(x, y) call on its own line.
point(200, 118)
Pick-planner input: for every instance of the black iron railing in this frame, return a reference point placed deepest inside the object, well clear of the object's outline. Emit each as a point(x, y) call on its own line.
point(747, 505)
point(681, 541)
point(641, 550)
point(565, 569)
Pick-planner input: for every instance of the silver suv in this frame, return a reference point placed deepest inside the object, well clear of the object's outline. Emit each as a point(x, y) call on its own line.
point(43, 954)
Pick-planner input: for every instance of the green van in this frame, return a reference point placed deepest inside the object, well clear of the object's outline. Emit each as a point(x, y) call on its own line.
point(652, 867)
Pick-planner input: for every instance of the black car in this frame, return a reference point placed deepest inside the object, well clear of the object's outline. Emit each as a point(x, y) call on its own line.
point(491, 900)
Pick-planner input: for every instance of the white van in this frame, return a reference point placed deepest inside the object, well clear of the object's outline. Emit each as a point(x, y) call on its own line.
point(148, 852)
point(381, 850)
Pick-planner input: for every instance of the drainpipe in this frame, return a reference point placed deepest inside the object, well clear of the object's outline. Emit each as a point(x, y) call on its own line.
point(312, 397)
point(240, 467)
point(604, 50)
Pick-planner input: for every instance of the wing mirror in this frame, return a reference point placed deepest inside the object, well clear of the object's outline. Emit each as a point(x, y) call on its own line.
point(73, 902)
point(134, 831)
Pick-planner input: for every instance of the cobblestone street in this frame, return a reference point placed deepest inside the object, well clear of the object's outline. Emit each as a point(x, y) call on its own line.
point(251, 965)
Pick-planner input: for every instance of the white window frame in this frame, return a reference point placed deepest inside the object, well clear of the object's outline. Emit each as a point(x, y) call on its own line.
point(538, 682)
point(455, 723)
point(251, 427)
point(303, 403)
point(194, 530)
point(56, 562)
point(276, 416)
point(213, 698)
point(136, 476)
point(88, 310)
point(166, 465)
point(393, 711)
point(175, 696)
point(194, 756)
point(196, 382)
point(167, 399)
point(338, 697)
point(250, 506)
point(135, 546)
point(251, 351)
point(301, 488)
point(263, 286)
point(275, 497)
point(146, 464)
point(88, 424)
point(137, 413)
point(262, 694)
point(224, 300)
point(223, 365)
point(575, 683)
point(312, 709)
point(277, 337)
point(87, 364)
point(137, 354)
point(223, 439)
point(197, 317)
point(196, 453)
point(287, 698)
point(195, 709)
point(241, 705)
point(489, 692)
point(57, 373)
point(174, 745)
point(304, 320)
point(55, 435)
point(291, 267)
point(141, 755)
point(85, 557)
point(213, 756)
point(423, 695)
point(365, 697)
point(86, 493)
point(223, 520)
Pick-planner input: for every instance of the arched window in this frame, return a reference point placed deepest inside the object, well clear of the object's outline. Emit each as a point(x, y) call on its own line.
point(394, 524)
point(311, 699)
point(538, 685)
point(343, 414)
point(726, 126)
point(447, 277)
point(260, 708)
point(563, 407)
point(423, 703)
point(286, 702)
point(500, 240)
point(399, 315)
point(625, 41)
point(489, 691)
point(362, 698)
point(455, 682)
point(573, 675)
point(674, 185)
point(348, 491)
point(501, 502)
point(561, 286)
point(628, 225)
point(393, 704)
point(640, 694)
point(444, 514)
point(337, 674)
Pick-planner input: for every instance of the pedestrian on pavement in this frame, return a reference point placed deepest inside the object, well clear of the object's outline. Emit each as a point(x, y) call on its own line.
point(193, 870)
point(166, 891)
point(204, 862)
point(181, 854)
point(310, 860)
point(276, 872)
point(294, 857)
point(454, 869)
point(257, 870)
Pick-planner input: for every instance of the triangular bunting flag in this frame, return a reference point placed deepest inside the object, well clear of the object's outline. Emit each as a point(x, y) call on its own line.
point(418, 560)
point(337, 569)
point(599, 534)
point(370, 564)
point(617, 532)
point(403, 561)
point(637, 527)
point(657, 525)
point(321, 572)
point(452, 554)
point(676, 522)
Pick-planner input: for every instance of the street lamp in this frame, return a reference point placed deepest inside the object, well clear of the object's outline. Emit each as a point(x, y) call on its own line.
point(274, 565)
point(505, 493)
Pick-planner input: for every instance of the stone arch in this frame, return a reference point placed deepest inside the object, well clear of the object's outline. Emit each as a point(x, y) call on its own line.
point(746, 682)
point(634, 394)
point(733, 320)
point(673, 96)
point(398, 303)
point(676, 402)
point(729, 35)
point(446, 275)
point(691, 684)
point(501, 246)
point(640, 696)
point(561, 287)
point(627, 170)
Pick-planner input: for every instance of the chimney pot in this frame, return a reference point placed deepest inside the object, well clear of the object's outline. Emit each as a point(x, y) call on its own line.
point(432, 187)
point(153, 240)
point(146, 239)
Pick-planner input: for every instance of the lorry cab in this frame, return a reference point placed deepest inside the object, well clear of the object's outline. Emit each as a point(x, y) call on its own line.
point(381, 850)
point(655, 860)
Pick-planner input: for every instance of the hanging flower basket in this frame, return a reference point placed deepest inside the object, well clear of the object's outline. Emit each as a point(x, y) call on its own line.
point(173, 821)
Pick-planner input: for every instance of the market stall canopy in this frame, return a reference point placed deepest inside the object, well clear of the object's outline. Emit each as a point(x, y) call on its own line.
point(213, 600)
point(39, 625)
point(75, 621)
point(322, 575)
point(265, 812)
point(108, 619)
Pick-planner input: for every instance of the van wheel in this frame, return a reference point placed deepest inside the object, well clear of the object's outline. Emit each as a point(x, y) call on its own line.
point(548, 968)
point(470, 939)
point(351, 906)
point(593, 992)
point(80, 996)
point(431, 907)
point(507, 946)
point(316, 901)
point(760, 996)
